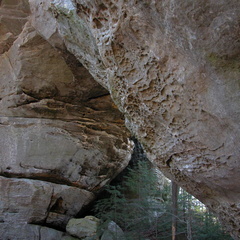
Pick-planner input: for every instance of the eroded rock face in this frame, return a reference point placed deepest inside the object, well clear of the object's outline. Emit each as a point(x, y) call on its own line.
point(39, 202)
point(62, 137)
point(172, 68)
point(29, 231)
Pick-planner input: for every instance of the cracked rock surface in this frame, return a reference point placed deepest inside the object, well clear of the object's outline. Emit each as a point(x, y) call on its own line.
point(171, 67)
point(62, 137)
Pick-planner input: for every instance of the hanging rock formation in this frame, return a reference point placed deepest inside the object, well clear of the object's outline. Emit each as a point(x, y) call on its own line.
point(172, 69)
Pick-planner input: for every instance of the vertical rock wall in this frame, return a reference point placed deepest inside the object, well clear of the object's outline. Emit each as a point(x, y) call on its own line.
point(62, 137)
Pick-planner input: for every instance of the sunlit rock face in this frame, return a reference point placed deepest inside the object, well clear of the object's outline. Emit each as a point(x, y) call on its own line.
point(171, 67)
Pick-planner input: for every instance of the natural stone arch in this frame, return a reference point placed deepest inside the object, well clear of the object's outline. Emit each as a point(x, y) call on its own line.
point(172, 68)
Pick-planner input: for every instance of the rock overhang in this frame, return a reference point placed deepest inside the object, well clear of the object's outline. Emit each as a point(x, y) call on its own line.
point(172, 68)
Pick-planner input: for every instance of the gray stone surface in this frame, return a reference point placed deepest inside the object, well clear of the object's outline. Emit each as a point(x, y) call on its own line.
point(59, 151)
point(69, 238)
point(34, 201)
point(28, 232)
point(113, 232)
point(57, 125)
point(50, 234)
point(171, 67)
point(83, 227)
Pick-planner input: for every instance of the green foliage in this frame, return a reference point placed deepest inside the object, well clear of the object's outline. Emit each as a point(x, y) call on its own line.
point(143, 211)
point(207, 227)
point(204, 225)
point(141, 180)
point(111, 208)
point(134, 205)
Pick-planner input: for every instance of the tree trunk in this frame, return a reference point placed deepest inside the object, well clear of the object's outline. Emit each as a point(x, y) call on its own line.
point(189, 221)
point(175, 190)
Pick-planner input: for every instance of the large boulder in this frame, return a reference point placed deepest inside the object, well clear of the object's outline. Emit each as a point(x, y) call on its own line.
point(113, 232)
point(40, 202)
point(83, 227)
point(28, 232)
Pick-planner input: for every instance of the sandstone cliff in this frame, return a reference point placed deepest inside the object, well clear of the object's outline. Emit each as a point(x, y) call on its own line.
point(62, 137)
point(172, 69)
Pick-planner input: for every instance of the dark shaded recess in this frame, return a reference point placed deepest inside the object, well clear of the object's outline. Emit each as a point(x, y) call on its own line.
point(137, 155)
point(83, 78)
point(51, 177)
point(59, 227)
point(57, 207)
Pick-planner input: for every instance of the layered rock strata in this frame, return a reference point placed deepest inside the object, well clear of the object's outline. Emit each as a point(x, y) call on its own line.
point(62, 137)
point(171, 67)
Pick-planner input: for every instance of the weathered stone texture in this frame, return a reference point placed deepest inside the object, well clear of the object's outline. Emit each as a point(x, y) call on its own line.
point(27, 232)
point(39, 202)
point(171, 67)
point(74, 153)
point(83, 227)
point(13, 15)
point(62, 137)
point(113, 232)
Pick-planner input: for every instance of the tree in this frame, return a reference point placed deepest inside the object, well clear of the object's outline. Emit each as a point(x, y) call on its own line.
point(135, 205)
point(143, 211)
point(175, 190)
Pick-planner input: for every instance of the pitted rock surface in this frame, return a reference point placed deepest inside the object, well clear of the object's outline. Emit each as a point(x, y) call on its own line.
point(171, 67)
